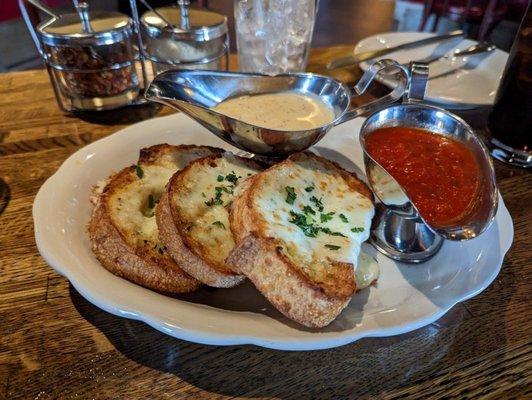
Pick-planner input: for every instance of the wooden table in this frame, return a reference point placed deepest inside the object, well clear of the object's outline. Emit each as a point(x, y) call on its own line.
point(55, 344)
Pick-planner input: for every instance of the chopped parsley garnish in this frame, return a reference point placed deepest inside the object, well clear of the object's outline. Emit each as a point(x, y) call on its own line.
point(326, 217)
point(152, 201)
point(220, 189)
point(203, 195)
point(332, 247)
point(317, 202)
point(219, 224)
point(217, 199)
point(308, 225)
point(214, 202)
point(305, 223)
point(220, 178)
point(309, 188)
point(139, 171)
point(357, 229)
point(329, 232)
point(343, 218)
point(290, 194)
point(232, 177)
point(309, 210)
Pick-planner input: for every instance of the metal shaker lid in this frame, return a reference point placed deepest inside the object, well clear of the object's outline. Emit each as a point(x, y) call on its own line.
point(86, 28)
point(203, 25)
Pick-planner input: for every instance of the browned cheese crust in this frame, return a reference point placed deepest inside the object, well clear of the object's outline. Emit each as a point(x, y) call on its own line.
point(145, 263)
point(188, 251)
point(312, 301)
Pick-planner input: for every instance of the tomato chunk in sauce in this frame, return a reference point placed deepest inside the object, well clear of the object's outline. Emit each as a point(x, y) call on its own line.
point(440, 175)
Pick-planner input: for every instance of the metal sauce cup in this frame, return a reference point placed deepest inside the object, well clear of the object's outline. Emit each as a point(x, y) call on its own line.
point(400, 231)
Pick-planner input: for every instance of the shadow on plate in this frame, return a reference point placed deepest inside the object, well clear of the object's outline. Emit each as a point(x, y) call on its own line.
point(245, 298)
point(463, 265)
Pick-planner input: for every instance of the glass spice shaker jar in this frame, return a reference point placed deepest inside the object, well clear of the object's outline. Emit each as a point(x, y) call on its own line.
point(90, 57)
point(183, 38)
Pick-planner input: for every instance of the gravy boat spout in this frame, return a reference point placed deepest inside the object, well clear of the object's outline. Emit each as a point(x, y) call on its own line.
point(195, 93)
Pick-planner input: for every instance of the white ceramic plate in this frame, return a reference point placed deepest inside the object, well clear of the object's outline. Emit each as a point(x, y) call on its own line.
point(407, 296)
point(459, 83)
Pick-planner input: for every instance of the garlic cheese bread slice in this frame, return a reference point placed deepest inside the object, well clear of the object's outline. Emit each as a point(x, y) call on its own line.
point(122, 229)
point(299, 227)
point(193, 216)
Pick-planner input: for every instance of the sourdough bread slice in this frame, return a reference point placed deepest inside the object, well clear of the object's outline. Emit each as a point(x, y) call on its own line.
point(122, 229)
point(193, 216)
point(298, 227)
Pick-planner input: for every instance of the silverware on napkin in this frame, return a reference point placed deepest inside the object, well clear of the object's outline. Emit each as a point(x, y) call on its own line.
point(368, 55)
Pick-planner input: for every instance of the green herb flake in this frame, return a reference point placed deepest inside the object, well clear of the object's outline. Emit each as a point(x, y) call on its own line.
point(305, 223)
point(329, 232)
point(343, 218)
point(214, 202)
point(309, 210)
point(232, 177)
point(326, 217)
point(309, 188)
point(357, 229)
point(219, 224)
point(290, 194)
point(220, 178)
point(219, 189)
point(332, 247)
point(203, 195)
point(151, 201)
point(317, 202)
point(139, 171)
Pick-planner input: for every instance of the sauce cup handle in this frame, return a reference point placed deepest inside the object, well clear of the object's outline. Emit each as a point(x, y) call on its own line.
point(400, 74)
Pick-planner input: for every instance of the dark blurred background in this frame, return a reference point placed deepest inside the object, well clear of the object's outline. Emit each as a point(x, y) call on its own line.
point(494, 20)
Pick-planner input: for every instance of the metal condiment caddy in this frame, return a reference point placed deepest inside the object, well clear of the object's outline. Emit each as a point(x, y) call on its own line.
point(90, 56)
point(101, 60)
point(176, 37)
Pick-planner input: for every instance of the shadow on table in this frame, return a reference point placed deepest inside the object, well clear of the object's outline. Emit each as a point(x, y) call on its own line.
point(368, 367)
point(124, 115)
point(5, 195)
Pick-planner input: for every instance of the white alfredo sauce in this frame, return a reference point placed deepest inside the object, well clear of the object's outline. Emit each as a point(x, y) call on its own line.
point(284, 111)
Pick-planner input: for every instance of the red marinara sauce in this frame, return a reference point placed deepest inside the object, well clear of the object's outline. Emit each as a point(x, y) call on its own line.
point(440, 175)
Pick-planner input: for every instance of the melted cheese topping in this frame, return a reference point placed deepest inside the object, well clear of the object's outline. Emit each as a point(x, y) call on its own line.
point(204, 210)
point(130, 208)
point(130, 205)
point(348, 215)
point(284, 111)
point(367, 271)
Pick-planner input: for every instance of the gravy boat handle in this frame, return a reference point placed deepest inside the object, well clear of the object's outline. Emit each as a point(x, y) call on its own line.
point(388, 65)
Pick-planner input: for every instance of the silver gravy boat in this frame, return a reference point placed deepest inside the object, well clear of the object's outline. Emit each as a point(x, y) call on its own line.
point(195, 92)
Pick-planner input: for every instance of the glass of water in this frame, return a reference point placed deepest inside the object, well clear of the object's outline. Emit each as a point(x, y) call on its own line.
point(273, 36)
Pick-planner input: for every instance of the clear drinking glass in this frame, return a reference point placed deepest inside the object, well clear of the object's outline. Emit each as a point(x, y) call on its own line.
point(273, 36)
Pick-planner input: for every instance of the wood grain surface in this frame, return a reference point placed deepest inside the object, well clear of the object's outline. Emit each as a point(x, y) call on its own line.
point(55, 344)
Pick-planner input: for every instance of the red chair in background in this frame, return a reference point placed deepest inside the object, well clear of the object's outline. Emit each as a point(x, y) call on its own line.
point(485, 13)
point(9, 9)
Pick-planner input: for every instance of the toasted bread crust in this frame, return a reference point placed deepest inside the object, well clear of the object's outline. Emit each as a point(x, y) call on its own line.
point(187, 250)
point(146, 265)
point(282, 285)
point(156, 153)
point(260, 257)
point(186, 258)
point(138, 265)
